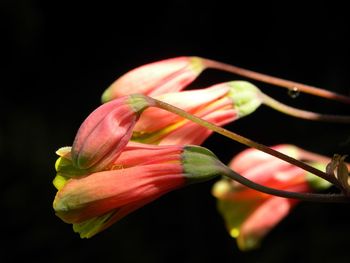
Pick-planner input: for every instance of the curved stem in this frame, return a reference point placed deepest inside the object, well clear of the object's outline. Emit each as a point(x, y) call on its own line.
point(309, 115)
point(243, 140)
point(328, 198)
point(291, 85)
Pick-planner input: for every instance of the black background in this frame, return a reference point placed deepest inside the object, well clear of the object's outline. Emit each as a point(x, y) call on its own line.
point(58, 57)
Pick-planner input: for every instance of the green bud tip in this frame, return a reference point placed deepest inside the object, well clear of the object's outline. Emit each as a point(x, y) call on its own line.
point(106, 96)
point(196, 64)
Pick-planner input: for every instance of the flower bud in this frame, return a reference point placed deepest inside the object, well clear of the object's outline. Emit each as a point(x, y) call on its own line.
point(106, 131)
point(156, 78)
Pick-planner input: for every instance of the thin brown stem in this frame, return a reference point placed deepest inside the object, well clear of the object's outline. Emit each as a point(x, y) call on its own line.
point(311, 197)
point(243, 140)
point(308, 115)
point(291, 85)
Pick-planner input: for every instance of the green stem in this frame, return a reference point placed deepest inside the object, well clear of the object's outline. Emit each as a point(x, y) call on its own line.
point(243, 140)
point(311, 197)
point(309, 115)
point(291, 85)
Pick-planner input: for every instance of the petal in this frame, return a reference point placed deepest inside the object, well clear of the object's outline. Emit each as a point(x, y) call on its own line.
point(185, 132)
point(189, 101)
point(95, 225)
point(106, 131)
point(252, 157)
point(139, 154)
point(263, 173)
point(234, 212)
point(192, 133)
point(98, 193)
point(169, 75)
point(262, 220)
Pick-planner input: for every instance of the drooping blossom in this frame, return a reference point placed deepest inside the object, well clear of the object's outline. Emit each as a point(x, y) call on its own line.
point(220, 104)
point(92, 200)
point(250, 215)
point(169, 75)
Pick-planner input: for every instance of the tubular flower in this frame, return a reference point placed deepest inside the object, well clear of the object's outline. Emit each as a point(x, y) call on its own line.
point(249, 215)
point(219, 104)
point(156, 78)
point(94, 200)
point(106, 131)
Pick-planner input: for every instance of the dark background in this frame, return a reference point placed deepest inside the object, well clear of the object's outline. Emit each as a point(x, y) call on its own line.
point(58, 57)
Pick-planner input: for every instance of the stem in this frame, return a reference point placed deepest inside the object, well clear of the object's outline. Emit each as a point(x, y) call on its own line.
point(309, 115)
point(243, 140)
point(327, 198)
point(291, 85)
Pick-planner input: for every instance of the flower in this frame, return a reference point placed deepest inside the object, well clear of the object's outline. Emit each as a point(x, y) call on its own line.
point(93, 201)
point(220, 104)
point(106, 131)
point(249, 215)
point(156, 78)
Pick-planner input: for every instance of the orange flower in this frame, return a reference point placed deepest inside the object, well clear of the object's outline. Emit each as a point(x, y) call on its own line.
point(94, 200)
point(249, 215)
point(220, 104)
point(156, 78)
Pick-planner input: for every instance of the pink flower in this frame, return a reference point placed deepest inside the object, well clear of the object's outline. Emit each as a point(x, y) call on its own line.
point(219, 104)
point(156, 78)
point(106, 131)
point(94, 200)
point(249, 215)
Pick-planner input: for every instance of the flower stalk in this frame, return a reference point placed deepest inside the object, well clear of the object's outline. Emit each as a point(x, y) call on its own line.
point(244, 140)
point(290, 85)
point(311, 197)
point(308, 115)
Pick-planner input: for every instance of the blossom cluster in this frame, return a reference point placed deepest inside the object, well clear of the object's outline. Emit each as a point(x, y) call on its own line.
point(127, 153)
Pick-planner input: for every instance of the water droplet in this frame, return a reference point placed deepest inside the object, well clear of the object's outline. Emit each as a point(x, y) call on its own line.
point(293, 92)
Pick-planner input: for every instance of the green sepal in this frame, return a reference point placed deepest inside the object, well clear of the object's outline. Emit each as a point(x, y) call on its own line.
point(91, 227)
point(245, 96)
point(65, 167)
point(139, 102)
point(200, 164)
point(59, 181)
